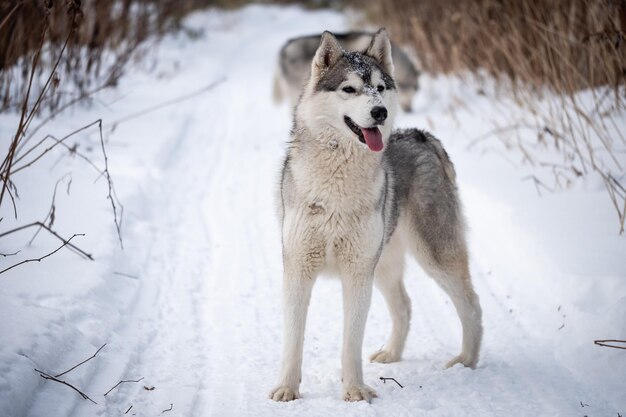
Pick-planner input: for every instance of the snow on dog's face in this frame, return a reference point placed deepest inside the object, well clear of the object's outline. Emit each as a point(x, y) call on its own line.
point(351, 93)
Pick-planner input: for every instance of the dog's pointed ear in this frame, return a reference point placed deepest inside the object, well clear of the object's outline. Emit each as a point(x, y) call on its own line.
point(380, 50)
point(327, 54)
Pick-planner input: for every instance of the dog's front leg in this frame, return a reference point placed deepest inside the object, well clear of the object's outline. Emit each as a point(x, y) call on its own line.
point(297, 286)
point(357, 295)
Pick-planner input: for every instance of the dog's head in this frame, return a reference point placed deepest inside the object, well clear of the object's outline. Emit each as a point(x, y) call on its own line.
point(352, 95)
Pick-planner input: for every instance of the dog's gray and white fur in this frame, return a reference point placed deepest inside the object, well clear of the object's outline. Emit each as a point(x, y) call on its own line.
point(294, 63)
point(348, 209)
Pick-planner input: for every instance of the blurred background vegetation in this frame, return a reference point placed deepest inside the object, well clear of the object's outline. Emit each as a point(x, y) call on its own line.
point(542, 53)
point(563, 45)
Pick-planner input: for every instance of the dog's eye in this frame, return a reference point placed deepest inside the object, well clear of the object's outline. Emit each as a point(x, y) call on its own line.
point(381, 88)
point(348, 90)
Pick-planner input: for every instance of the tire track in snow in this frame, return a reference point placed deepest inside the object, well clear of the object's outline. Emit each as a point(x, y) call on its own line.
point(162, 338)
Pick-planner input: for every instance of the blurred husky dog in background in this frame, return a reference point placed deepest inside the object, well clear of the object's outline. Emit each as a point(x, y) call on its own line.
point(348, 208)
point(294, 65)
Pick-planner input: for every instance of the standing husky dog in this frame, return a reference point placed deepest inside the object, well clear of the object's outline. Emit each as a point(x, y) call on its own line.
point(349, 208)
point(294, 63)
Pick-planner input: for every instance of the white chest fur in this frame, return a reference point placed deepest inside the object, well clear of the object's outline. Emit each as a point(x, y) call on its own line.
point(336, 207)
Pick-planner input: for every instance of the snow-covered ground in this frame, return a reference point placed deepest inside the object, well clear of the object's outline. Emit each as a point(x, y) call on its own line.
point(192, 303)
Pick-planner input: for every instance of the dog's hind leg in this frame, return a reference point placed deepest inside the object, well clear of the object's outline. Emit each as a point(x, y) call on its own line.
point(451, 272)
point(389, 280)
point(458, 285)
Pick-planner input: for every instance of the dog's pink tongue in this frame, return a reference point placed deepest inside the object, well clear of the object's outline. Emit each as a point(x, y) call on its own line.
point(373, 138)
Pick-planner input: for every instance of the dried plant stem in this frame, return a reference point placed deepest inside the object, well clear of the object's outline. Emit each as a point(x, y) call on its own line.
point(55, 379)
point(49, 148)
point(167, 103)
point(66, 242)
point(612, 343)
point(110, 185)
point(79, 364)
point(6, 165)
point(122, 382)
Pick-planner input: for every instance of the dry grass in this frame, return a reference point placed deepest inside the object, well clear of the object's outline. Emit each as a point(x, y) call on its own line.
point(567, 49)
point(564, 45)
point(105, 36)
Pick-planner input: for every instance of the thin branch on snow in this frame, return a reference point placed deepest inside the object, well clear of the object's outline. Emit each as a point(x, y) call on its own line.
point(113, 125)
point(12, 185)
point(382, 378)
point(122, 274)
point(538, 183)
point(4, 255)
point(65, 243)
point(112, 196)
point(117, 221)
point(611, 343)
point(86, 360)
point(51, 216)
point(53, 378)
point(122, 382)
point(168, 409)
point(131, 406)
point(56, 143)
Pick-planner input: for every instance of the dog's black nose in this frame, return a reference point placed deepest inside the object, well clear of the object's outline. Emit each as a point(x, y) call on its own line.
point(379, 113)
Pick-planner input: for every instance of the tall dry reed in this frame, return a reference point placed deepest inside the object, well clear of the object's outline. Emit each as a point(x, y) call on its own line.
point(550, 55)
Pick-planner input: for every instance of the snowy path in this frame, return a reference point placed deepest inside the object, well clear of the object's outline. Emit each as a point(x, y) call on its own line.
point(200, 317)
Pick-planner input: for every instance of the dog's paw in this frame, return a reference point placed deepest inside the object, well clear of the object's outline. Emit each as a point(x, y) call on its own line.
point(284, 393)
point(384, 356)
point(359, 393)
point(465, 360)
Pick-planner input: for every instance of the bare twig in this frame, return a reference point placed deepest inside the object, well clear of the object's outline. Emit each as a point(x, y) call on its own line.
point(74, 248)
point(4, 255)
point(53, 378)
point(55, 113)
point(50, 217)
point(122, 382)
point(168, 409)
point(131, 406)
point(56, 377)
point(6, 165)
point(12, 185)
point(65, 242)
point(49, 148)
point(612, 343)
point(496, 132)
point(86, 360)
point(8, 16)
point(111, 189)
point(159, 106)
point(382, 378)
point(24, 122)
point(122, 274)
point(538, 183)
